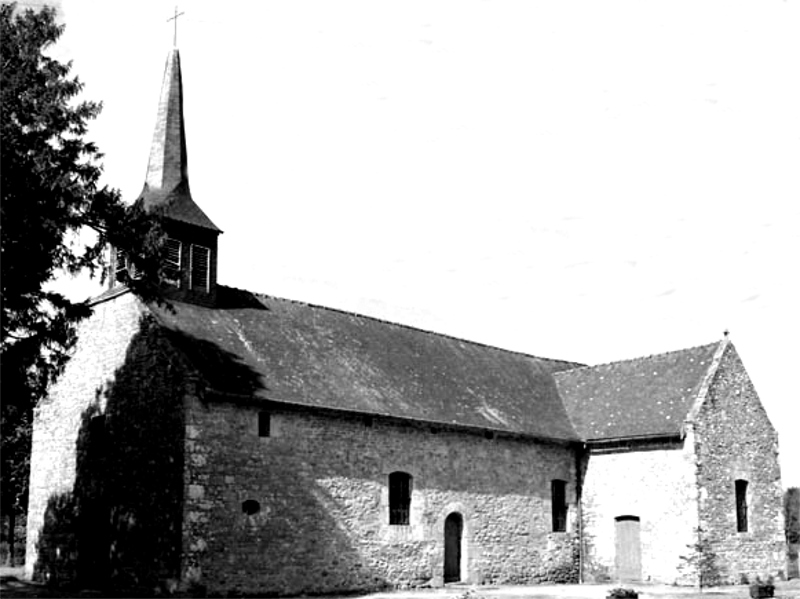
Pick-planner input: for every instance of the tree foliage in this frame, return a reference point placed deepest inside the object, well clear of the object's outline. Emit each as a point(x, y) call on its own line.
point(50, 189)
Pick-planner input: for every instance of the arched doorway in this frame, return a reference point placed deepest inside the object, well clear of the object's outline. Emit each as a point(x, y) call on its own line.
point(629, 548)
point(453, 532)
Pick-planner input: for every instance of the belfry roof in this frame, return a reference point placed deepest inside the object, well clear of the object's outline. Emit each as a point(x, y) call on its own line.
point(167, 180)
point(272, 349)
point(648, 396)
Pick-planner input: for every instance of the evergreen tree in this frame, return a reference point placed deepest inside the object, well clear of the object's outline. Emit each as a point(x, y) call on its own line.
point(49, 186)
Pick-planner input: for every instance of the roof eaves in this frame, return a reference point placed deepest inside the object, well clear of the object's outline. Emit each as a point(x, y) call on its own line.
point(627, 438)
point(108, 295)
point(634, 443)
point(246, 398)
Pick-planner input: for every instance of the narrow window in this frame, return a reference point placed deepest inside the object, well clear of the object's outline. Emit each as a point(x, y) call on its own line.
point(200, 267)
point(172, 271)
point(741, 505)
point(399, 498)
point(558, 496)
point(264, 424)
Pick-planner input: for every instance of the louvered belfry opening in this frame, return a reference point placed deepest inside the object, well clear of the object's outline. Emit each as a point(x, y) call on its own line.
point(191, 263)
point(172, 268)
point(200, 271)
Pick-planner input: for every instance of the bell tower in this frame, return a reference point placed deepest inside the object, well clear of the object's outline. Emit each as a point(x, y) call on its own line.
point(191, 273)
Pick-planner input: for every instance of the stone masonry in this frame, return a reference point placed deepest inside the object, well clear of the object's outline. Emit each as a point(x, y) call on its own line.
point(736, 441)
point(321, 482)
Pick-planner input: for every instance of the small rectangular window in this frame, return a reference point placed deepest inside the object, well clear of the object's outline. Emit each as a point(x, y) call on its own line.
point(558, 493)
point(741, 505)
point(172, 270)
point(264, 424)
point(200, 275)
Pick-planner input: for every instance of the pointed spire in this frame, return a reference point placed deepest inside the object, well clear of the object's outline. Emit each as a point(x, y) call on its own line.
point(168, 165)
point(167, 180)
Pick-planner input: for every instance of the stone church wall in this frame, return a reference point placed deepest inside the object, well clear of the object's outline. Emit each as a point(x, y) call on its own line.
point(653, 482)
point(736, 441)
point(106, 467)
point(321, 483)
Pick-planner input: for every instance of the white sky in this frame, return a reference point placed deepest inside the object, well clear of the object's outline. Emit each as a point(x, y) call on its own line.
point(590, 181)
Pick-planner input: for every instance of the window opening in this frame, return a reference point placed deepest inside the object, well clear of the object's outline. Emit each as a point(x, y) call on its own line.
point(172, 271)
point(741, 505)
point(399, 498)
point(200, 267)
point(264, 424)
point(558, 496)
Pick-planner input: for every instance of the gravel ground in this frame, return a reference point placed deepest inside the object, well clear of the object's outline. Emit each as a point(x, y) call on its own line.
point(12, 585)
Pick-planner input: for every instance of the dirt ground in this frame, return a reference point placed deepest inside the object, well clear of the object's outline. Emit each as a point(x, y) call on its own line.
point(13, 585)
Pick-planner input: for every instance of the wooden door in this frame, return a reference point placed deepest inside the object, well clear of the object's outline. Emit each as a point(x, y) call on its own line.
point(453, 529)
point(628, 548)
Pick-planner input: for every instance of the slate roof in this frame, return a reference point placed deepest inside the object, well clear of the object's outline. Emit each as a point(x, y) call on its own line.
point(643, 397)
point(177, 204)
point(280, 350)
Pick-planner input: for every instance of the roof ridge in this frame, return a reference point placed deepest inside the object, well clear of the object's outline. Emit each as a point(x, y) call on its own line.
point(640, 358)
point(398, 324)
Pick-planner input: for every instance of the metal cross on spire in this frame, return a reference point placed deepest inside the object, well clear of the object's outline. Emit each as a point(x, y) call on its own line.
point(175, 33)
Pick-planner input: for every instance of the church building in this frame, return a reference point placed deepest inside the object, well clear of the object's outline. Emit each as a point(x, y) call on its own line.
point(234, 442)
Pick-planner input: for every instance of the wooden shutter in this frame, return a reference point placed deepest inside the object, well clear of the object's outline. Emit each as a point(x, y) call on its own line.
point(200, 267)
point(125, 265)
point(172, 271)
point(120, 266)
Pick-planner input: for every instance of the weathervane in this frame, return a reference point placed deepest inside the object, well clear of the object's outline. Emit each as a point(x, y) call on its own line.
point(175, 33)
